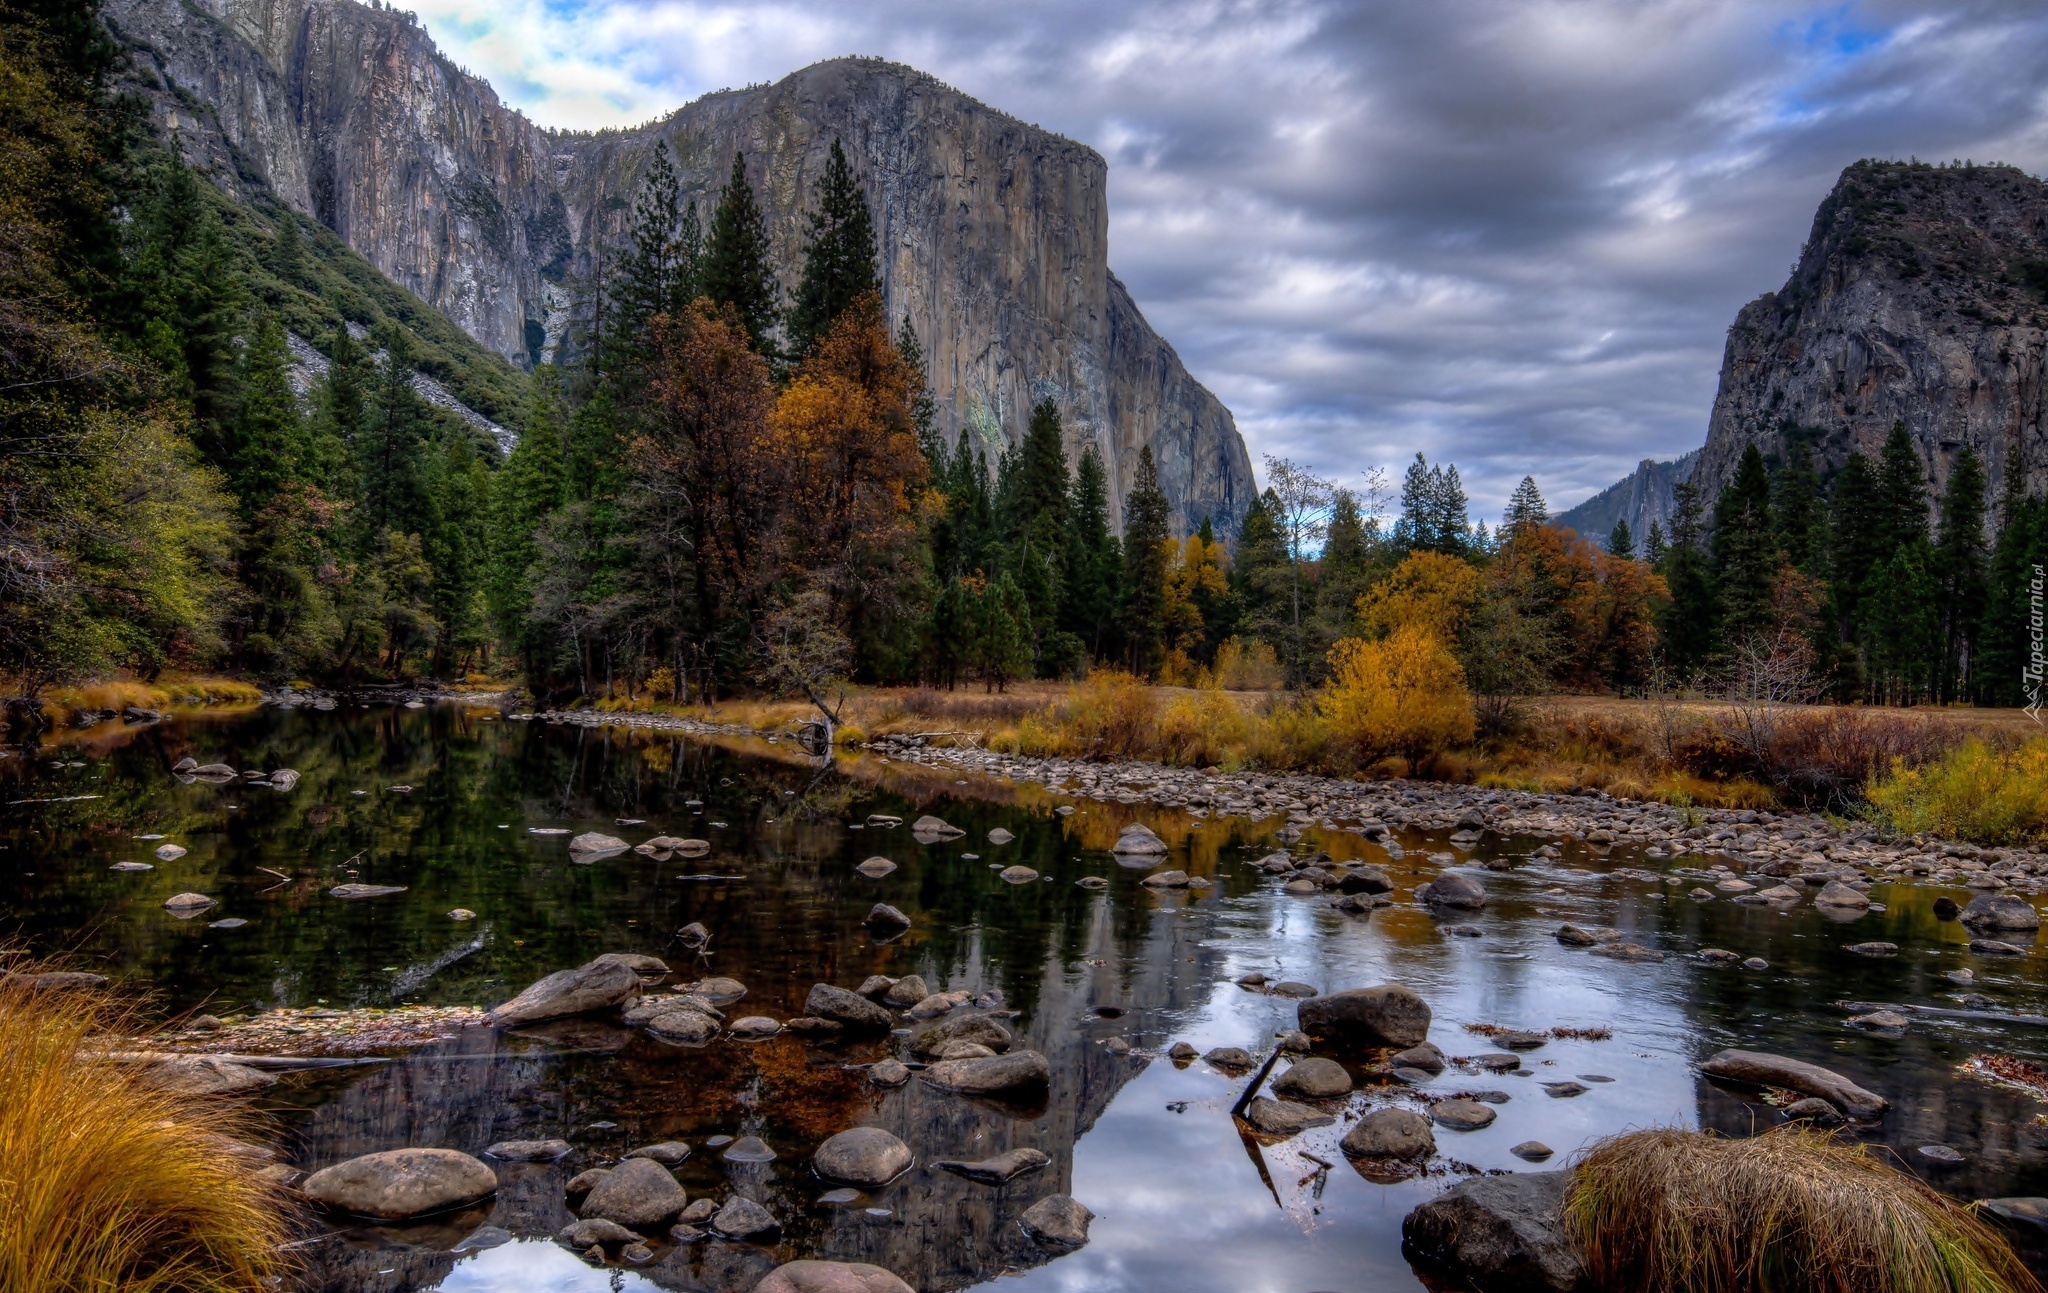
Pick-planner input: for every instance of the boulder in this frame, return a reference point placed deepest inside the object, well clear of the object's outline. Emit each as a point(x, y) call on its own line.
point(906, 991)
point(888, 1073)
point(1138, 840)
point(528, 1151)
point(1284, 1117)
point(1454, 890)
point(585, 1181)
point(1166, 880)
point(995, 1171)
point(754, 1027)
point(742, 1218)
point(597, 985)
point(962, 1051)
point(364, 890)
point(1425, 1058)
point(876, 868)
point(693, 848)
point(2019, 1211)
point(939, 1003)
point(830, 1277)
point(1461, 1115)
point(1573, 936)
point(595, 843)
point(865, 1156)
point(1314, 1078)
point(883, 916)
point(848, 1008)
point(401, 1183)
point(1758, 1068)
point(1017, 875)
point(668, 1153)
point(718, 991)
point(1836, 894)
point(1230, 1057)
point(207, 1075)
point(1499, 1234)
point(647, 967)
point(1386, 1015)
point(1057, 1222)
point(683, 1024)
point(1019, 1071)
point(580, 1235)
point(969, 1028)
point(933, 830)
point(1390, 1133)
point(2000, 911)
point(639, 1192)
point(1365, 879)
point(186, 904)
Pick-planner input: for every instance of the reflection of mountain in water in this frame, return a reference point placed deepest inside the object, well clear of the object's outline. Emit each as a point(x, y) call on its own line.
point(943, 1232)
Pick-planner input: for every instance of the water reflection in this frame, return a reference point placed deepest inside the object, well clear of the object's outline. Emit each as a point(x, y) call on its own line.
point(1183, 1200)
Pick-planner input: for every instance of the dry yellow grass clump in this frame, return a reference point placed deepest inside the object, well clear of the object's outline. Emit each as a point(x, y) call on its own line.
point(108, 1185)
point(1790, 1211)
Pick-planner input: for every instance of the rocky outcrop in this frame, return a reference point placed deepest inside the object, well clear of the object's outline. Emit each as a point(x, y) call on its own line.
point(1642, 498)
point(993, 233)
point(1919, 298)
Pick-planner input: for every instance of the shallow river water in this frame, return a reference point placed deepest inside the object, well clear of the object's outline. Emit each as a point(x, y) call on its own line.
point(1182, 1199)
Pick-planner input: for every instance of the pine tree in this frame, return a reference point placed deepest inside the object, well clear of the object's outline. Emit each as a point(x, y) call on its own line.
point(390, 458)
point(1745, 551)
point(1855, 542)
point(839, 255)
point(1961, 572)
point(1144, 574)
point(1526, 511)
point(1620, 541)
point(924, 409)
point(1346, 556)
point(528, 488)
point(1686, 627)
point(735, 270)
point(1037, 502)
point(1260, 571)
point(1901, 503)
point(657, 273)
point(268, 445)
point(1655, 546)
point(1093, 559)
point(1903, 624)
point(1002, 637)
point(2004, 634)
point(1799, 511)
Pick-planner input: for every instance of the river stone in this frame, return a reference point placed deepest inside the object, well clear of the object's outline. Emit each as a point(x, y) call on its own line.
point(596, 985)
point(932, 830)
point(876, 868)
point(1293, 988)
point(1017, 875)
point(683, 1025)
point(647, 967)
point(2024, 1211)
point(1836, 894)
point(364, 890)
point(579, 1235)
point(1757, 1068)
point(1532, 1151)
point(1001, 1168)
point(1365, 879)
point(971, 1028)
point(2000, 911)
point(906, 991)
point(1284, 1117)
point(528, 1151)
point(1015, 1072)
point(1992, 947)
point(1518, 1040)
point(1426, 1057)
point(693, 848)
point(742, 1218)
point(1945, 908)
point(1092, 882)
point(1815, 1110)
point(1883, 1021)
point(593, 842)
point(754, 1026)
point(1230, 1057)
point(962, 1051)
point(189, 903)
point(1386, 1015)
point(1181, 1053)
point(875, 985)
point(169, 852)
point(586, 1181)
point(638, 1193)
point(848, 1008)
point(220, 770)
point(830, 1277)
point(747, 1149)
point(939, 1003)
point(1627, 952)
point(1873, 949)
point(1314, 1078)
point(863, 1156)
point(207, 1075)
point(1166, 880)
point(1138, 840)
point(883, 916)
point(1461, 1115)
point(401, 1183)
point(1057, 1222)
point(999, 836)
point(668, 1153)
point(1499, 1234)
point(1292, 1041)
point(1453, 890)
point(1390, 1133)
point(888, 1073)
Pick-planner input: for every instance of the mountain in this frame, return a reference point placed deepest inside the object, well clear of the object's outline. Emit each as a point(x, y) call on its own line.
point(1641, 497)
point(993, 233)
point(1918, 298)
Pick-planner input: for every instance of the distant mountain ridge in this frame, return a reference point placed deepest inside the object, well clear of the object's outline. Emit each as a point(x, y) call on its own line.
point(1641, 498)
point(993, 234)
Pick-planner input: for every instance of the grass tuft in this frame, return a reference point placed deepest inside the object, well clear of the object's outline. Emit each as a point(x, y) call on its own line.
point(108, 1185)
point(1790, 1211)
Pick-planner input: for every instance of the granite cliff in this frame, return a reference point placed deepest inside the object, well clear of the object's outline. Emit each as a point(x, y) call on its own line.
point(993, 233)
point(1641, 498)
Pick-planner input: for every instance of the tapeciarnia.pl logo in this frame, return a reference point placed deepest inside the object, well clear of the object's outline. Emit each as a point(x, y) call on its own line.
point(2030, 677)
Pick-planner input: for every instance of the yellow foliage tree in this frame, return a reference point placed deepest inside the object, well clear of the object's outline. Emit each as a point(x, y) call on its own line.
point(1428, 590)
point(1403, 694)
point(1194, 575)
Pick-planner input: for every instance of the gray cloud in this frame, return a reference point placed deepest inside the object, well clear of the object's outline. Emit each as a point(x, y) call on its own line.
point(1508, 233)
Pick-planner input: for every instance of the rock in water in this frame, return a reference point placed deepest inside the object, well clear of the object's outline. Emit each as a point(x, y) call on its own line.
point(207, 1075)
point(690, 1027)
point(2000, 911)
point(971, 1028)
point(889, 1073)
point(1836, 894)
point(876, 868)
point(1461, 1115)
point(1390, 1133)
point(994, 1171)
point(364, 890)
point(742, 1218)
point(1452, 889)
point(1387, 1015)
point(831, 1277)
point(1284, 1117)
point(668, 1153)
point(863, 1156)
point(186, 904)
point(883, 916)
point(528, 1151)
point(1057, 1222)
point(1017, 874)
point(639, 1192)
point(401, 1183)
point(1138, 840)
point(1499, 1234)
point(1757, 1068)
point(597, 985)
point(906, 991)
point(594, 844)
point(1314, 1078)
point(1012, 1074)
point(169, 852)
point(933, 830)
point(848, 1008)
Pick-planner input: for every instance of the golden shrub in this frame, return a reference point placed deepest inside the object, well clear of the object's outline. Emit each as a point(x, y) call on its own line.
point(1247, 665)
point(1203, 728)
point(1973, 792)
point(1404, 694)
point(1427, 590)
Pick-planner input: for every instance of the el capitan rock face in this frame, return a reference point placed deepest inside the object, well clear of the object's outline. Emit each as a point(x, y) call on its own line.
point(992, 234)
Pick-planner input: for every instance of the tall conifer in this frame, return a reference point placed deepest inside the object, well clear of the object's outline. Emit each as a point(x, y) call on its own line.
point(1144, 574)
point(735, 269)
point(839, 255)
point(1745, 550)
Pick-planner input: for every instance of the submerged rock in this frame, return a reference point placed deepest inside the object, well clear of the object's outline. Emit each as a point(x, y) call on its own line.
point(639, 1192)
point(1499, 1234)
point(972, 1028)
point(1057, 1222)
point(1758, 1068)
point(995, 1171)
point(1019, 1071)
point(364, 890)
point(847, 1008)
point(863, 1156)
point(596, 985)
point(207, 1075)
point(401, 1183)
point(529, 1151)
point(830, 1277)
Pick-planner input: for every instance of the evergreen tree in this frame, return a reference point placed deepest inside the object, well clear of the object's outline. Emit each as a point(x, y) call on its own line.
point(1901, 502)
point(267, 448)
point(394, 491)
point(1655, 546)
point(839, 256)
point(527, 490)
point(1745, 551)
point(1903, 625)
point(1037, 501)
point(1347, 555)
point(1620, 541)
point(1144, 574)
point(1855, 542)
point(1686, 628)
point(1433, 510)
point(1799, 511)
point(1260, 571)
point(735, 270)
point(458, 488)
point(1526, 511)
point(924, 409)
point(1002, 634)
point(2004, 639)
point(1961, 572)
point(657, 274)
point(1093, 559)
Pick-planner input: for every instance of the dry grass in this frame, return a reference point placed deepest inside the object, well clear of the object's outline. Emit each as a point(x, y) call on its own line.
point(1790, 1211)
point(1972, 792)
point(60, 704)
point(108, 1185)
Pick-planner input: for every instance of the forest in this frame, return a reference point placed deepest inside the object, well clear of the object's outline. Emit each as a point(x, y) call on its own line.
point(731, 485)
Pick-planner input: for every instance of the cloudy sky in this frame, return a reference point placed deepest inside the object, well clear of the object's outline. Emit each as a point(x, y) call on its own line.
point(1510, 233)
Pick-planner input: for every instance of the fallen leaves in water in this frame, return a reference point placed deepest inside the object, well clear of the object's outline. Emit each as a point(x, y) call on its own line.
point(2009, 1072)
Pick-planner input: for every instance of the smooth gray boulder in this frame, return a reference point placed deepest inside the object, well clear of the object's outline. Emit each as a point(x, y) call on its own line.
point(1390, 1133)
point(2000, 911)
point(994, 1171)
point(400, 1183)
point(1139, 840)
point(1314, 1078)
point(1016, 1072)
point(596, 985)
point(876, 868)
point(830, 1277)
point(1499, 1234)
point(207, 1075)
point(883, 916)
point(906, 991)
point(1057, 1222)
point(968, 1028)
point(595, 843)
point(683, 1024)
point(580, 1235)
point(668, 1153)
point(933, 830)
point(1758, 1068)
point(863, 1156)
point(848, 1008)
point(1386, 1015)
point(529, 1151)
point(1425, 1058)
point(1284, 1117)
point(1453, 890)
point(1836, 894)
point(1365, 879)
point(742, 1218)
point(888, 1073)
point(1461, 1115)
point(639, 1192)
